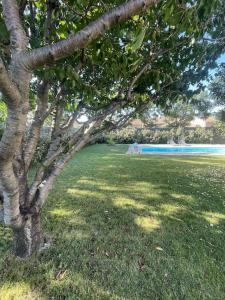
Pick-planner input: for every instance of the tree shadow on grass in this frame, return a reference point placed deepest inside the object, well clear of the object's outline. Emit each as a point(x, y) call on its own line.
point(130, 228)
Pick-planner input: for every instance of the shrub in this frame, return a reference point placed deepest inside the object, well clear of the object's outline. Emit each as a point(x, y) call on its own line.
point(110, 141)
point(150, 136)
point(132, 135)
point(200, 136)
point(219, 132)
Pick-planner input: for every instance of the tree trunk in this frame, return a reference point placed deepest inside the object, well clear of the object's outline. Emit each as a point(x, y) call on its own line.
point(29, 238)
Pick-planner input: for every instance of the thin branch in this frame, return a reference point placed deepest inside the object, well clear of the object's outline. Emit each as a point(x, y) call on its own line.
point(80, 137)
point(136, 78)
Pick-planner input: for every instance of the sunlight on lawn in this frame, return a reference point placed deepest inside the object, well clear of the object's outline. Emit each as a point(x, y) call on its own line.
point(101, 185)
point(18, 291)
point(127, 203)
point(61, 212)
point(76, 234)
point(148, 223)
point(84, 193)
point(82, 283)
point(182, 197)
point(169, 209)
point(108, 216)
point(72, 216)
point(212, 217)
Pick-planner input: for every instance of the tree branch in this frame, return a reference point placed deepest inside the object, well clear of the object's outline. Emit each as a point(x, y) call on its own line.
point(7, 87)
point(36, 126)
point(76, 141)
point(136, 78)
point(65, 48)
point(18, 37)
point(11, 203)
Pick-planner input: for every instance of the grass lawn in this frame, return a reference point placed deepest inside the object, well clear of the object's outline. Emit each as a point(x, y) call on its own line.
point(127, 227)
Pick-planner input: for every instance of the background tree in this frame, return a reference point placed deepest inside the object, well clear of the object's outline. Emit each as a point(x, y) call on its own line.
point(217, 91)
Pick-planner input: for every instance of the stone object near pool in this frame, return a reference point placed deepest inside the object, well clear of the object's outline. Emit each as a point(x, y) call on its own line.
point(133, 149)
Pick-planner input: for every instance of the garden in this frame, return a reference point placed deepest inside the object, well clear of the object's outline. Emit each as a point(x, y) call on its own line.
point(127, 227)
point(84, 214)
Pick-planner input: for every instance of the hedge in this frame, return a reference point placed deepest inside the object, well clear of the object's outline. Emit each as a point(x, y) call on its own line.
point(128, 135)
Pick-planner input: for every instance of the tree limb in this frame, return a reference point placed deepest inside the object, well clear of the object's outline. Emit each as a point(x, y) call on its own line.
point(10, 186)
point(36, 126)
point(41, 56)
point(77, 141)
point(18, 37)
point(7, 87)
point(136, 78)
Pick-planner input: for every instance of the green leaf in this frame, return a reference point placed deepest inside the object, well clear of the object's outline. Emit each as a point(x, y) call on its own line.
point(139, 40)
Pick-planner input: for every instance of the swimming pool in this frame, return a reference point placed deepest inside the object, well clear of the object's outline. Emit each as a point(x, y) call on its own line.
point(183, 150)
point(168, 149)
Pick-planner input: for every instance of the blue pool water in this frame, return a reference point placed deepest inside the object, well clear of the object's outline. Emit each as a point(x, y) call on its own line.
point(183, 150)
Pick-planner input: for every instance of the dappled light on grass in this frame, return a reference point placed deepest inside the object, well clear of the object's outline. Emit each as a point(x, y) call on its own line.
point(168, 209)
point(84, 193)
point(129, 227)
point(61, 212)
point(127, 203)
point(82, 285)
point(183, 198)
point(18, 291)
point(213, 218)
point(149, 224)
point(75, 234)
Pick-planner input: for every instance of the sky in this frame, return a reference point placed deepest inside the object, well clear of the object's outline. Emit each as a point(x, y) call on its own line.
point(212, 72)
point(220, 60)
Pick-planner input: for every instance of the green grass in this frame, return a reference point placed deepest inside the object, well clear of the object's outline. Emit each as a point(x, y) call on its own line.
point(127, 227)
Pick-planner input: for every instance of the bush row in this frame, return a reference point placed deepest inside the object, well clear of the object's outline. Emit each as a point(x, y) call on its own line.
point(215, 135)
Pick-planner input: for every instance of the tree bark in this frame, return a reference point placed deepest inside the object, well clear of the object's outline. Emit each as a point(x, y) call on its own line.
point(28, 239)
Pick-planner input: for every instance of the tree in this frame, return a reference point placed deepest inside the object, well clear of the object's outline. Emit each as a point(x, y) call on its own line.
point(181, 113)
point(217, 93)
point(22, 204)
point(153, 55)
point(178, 117)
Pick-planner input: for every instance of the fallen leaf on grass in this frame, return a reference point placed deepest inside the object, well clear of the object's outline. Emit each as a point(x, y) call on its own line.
point(60, 275)
point(159, 248)
point(107, 254)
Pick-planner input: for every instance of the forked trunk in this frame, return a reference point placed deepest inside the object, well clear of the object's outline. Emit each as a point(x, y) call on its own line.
point(29, 238)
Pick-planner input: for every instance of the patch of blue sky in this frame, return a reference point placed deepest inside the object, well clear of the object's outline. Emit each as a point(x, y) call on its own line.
point(212, 72)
